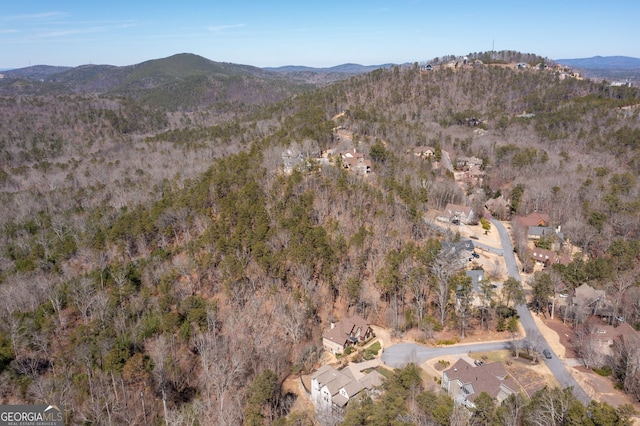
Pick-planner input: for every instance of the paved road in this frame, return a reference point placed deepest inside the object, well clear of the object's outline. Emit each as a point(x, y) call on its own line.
point(399, 355)
point(494, 250)
point(403, 353)
point(556, 366)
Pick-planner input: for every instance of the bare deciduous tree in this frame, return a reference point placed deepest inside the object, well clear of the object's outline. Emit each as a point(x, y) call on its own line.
point(442, 270)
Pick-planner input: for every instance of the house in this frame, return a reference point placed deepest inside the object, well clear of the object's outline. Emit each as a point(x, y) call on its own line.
point(352, 153)
point(290, 159)
point(348, 331)
point(459, 251)
point(332, 389)
point(536, 226)
point(533, 219)
point(499, 207)
point(604, 336)
point(544, 257)
point(477, 276)
point(457, 214)
point(464, 382)
point(355, 161)
point(422, 151)
point(590, 301)
point(537, 232)
point(469, 161)
point(426, 68)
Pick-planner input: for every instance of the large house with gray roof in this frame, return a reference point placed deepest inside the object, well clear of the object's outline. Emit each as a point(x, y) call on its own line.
point(332, 389)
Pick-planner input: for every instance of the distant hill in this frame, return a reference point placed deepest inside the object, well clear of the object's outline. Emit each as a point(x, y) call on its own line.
point(182, 80)
point(603, 62)
point(37, 72)
point(611, 68)
point(344, 68)
point(323, 76)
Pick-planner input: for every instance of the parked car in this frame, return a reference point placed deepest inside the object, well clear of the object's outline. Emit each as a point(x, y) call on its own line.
point(478, 362)
point(563, 295)
point(476, 255)
point(620, 319)
point(547, 353)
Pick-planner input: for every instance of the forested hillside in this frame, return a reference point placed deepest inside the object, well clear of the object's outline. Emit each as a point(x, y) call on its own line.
point(157, 263)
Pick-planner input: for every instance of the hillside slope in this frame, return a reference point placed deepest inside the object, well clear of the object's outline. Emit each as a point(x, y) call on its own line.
point(155, 247)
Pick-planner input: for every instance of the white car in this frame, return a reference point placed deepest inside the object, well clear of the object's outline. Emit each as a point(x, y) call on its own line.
point(563, 295)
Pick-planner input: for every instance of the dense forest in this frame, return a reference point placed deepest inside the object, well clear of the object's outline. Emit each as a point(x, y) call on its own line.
point(157, 264)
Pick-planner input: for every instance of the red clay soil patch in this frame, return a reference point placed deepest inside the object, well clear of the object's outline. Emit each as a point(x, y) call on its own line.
point(606, 391)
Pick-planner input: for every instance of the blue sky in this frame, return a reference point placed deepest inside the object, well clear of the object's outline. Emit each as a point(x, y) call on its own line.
point(275, 33)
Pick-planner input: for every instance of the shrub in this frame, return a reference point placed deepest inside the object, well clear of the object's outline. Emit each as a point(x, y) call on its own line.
point(373, 349)
point(530, 357)
point(603, 371)
point(512, 325)
point(447, 342)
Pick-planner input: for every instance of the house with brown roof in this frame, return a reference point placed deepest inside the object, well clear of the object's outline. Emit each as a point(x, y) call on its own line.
point(348, 331)
point(332, 389)
point(355, 161)
point(464, 382)
point(544, 257)
point(533, 219)
point(604, 336)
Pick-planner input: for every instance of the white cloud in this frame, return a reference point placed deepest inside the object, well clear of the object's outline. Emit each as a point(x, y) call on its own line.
point(218, 28)
point(35, 16)
point(62, 33)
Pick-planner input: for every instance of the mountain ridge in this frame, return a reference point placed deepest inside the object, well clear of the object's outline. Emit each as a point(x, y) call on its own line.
point(603, 62)
point(347, 68)
point(196, 80)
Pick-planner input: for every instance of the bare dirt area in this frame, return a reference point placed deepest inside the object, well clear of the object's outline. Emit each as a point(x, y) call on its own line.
point(472, 335)
point(530, 376)
point(294, 385)
point(559, 336)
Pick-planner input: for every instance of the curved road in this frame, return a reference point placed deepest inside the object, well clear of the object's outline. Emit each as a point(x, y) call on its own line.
point(403, 353)
point(556, 366)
